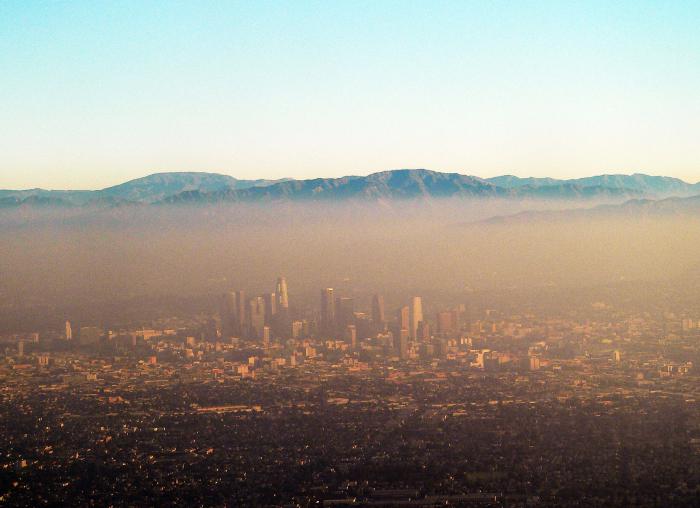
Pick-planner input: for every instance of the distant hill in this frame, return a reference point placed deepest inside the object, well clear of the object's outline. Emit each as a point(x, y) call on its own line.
point(160, 186)
point(400, 184)
point(149, 189)
point(657, 186)
point(634, 208)
point(397, 184)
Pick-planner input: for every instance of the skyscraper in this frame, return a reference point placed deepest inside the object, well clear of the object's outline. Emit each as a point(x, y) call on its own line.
point(403, 318)
point(69, 331)
point(344, 313)
point(327, 311)
point(241, 312)
point(282, 296)
point(416, 316)
point(351, 336)
point(257, 317)
point(403, 344)
point(270, 306)
point(378, 319)
point(228, 313)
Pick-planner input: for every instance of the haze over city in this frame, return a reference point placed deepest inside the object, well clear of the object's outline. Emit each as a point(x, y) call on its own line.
point(349, 254)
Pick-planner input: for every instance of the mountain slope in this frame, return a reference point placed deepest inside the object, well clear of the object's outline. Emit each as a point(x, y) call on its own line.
point(399, 184)
point(659, 186)
point(634, 208)
point(148, 189)
point(159, 186)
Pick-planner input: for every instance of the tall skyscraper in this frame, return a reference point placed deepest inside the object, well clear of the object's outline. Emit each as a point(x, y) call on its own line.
point(228, 311)
point(378, 318)
point(270, 306)
point(403, 318)
point(282, 296)
point(447, 322)
point(327, 311)
point(69, 331)
point(416, 316)
point(241, 312)
point(344, 313)
point(403, 344)
point(257, 317)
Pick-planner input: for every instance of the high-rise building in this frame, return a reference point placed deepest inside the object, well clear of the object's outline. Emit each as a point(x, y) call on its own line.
point(257, 317)
point(344, 313)
point(90, 335)
point(351, 336)
point(416, 316)
point(282, 296)
point(270, 307)
point(403, 318)
point(228, 312)
point(297, 329)
point(378, 318)
point(327, 311)
point(241, 312)
point(423, 331)
point(69, 331)
point(403, 344)
point(447, 322)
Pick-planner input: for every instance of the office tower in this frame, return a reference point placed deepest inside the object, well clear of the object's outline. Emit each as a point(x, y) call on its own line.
point(327, 311)
point(378, 319)
point(270, 306)
point(351, 336)
point(423, 331)
point(20, 348)
point(228, 310)
point(241, 312)
point(403, 344)
point(416, 316)
point(363, 324)
point(282, 296)
point(297, 329)
point(402, 318)
point(344, 312)
point(69, 331)
point(90, 335)
point(447, 322)
point(266, 336)
point(257, 317)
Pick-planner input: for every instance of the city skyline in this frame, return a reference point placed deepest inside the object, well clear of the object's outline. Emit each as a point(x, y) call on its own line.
point(304, 253)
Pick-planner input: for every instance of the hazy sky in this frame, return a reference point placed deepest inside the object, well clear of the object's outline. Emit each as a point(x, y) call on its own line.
point(94, 93)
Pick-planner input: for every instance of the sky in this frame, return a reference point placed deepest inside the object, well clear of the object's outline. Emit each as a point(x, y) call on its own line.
point(98, 92)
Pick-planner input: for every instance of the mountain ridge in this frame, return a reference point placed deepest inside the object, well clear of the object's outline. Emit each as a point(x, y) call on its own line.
point(398, 184)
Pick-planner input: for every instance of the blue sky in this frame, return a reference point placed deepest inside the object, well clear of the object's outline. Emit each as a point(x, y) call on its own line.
point(94, 93)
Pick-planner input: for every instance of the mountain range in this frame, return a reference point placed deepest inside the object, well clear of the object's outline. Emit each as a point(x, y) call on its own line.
point(401, 184)
point(633, 208)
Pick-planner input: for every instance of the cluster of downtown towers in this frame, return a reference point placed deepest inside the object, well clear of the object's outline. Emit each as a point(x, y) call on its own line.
point(262, 317)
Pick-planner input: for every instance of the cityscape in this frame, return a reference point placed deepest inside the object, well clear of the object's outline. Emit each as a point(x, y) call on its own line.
point(268, 401)
point(319, 254)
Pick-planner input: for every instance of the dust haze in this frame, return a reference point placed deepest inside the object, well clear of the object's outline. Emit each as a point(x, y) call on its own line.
point(76, 256)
